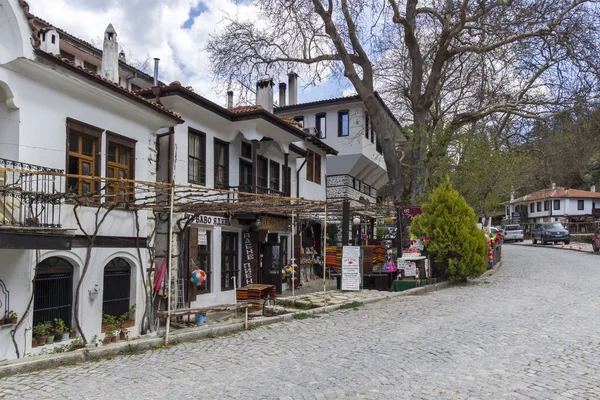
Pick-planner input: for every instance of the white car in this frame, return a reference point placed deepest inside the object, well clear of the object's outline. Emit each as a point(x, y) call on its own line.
point(513, 232)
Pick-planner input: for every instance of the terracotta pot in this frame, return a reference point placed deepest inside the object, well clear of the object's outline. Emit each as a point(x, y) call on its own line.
point(42, 340)
point(72, 335)
point(34, 343)
point(13, 320)
point(113, 339)
point(122, 336)
point(128, 324)
point(103, 329)
point(1, 321)
point(106, 340)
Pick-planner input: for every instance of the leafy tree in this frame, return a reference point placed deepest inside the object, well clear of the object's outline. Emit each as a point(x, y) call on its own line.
point(457, 246)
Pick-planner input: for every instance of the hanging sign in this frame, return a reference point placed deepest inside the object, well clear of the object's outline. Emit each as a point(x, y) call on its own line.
point(202, 238)
point(410, 213)
point(351, 268)
point(211, 220)
point(249, 257)
point(275, 223)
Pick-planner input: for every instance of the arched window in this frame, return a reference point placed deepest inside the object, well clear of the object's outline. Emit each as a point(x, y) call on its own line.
point(117, 281)
point(53, 296)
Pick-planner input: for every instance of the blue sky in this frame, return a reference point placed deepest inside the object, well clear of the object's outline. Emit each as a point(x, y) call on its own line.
point(176, 31)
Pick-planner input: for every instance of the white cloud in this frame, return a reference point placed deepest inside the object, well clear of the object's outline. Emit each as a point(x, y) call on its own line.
point(150, 27)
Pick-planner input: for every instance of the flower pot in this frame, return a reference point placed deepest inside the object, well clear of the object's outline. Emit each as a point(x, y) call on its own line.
point(122, 336)
point(58, 337)
point(129, 324)
point(65, 336)
point(34, 343)
point(113, 339)
point(42, 340)
point(106, 340)
point(13, 320)
point(50, 339)
point(2, 321)
point(72, 335)
point(103, 329)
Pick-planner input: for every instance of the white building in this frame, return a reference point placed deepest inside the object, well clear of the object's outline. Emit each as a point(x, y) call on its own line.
point(56, 116)
point(555, 204)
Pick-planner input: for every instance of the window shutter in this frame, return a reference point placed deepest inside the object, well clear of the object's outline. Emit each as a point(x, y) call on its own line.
point(310, 166)
point(192, 256)
point(317, 169)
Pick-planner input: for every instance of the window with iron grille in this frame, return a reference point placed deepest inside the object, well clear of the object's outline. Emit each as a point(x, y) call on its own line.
point(117, 287)
point(229, 260)
point(53, 296)
point(196, 157)
point(221, 164)
point(274, 176)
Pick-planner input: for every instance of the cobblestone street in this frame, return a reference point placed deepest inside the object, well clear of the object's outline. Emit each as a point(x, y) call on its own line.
point(530, 331)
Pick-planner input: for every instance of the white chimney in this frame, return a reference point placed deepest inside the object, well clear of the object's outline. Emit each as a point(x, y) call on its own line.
point(512, 196)
point(122, 56)
point(264, 94)
point(293, 84)
point(593, 187)
point(282, 87)
point(110, 55)
point(230, 99)
point(553, 185)
point(50, 41)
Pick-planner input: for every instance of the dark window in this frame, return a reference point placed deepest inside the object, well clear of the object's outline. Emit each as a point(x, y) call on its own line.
point(83, 148)
point(539, 206)
point(196, 157)
point(557, 204)
point(300, 119)
point(68, 56)
point(116, 291)
point(367, 125)
point(246, 150)
point(135, 87)
point(221, 164)
point(285, 182)
point(546, 205)
point(343, 123)
point(580, 204)
point(313, 167)
point(229, 259)
point(320, 124)
point(53, 291)
point(90, 66)
point(120, 164)
point(262, 173)
point(366, 189)
point(245, 176)
point(53, 39)
point(532, 207)
point(274, 176)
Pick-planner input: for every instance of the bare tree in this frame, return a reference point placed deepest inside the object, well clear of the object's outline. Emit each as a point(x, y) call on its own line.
point(443, 63)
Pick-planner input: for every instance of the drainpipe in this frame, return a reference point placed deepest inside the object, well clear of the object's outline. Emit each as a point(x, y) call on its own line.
point(298, 179)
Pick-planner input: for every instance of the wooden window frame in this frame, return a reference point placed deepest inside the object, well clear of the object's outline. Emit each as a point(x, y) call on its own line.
point(318, 117)
point(121, 142)
point(225, 147)
point(84, 130)
point(286, 184)
point(341, 113)
point(317, 164)
point(201, 173)
point(67, 55)
point(274, 181)
point(313, 167)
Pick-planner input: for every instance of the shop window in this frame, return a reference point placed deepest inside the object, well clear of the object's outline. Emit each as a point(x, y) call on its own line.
point(90, 66)
point(263, 173)
point(196, 157)
point(313, 167)
point(117, 287)
point(557, 204)
point(539, 206)
point(221, 164)
point(53, 295)
point(120, 164)
point(343, 123)
point(274, 176)
point(300, 120)
point(83, 143)
point(320, 124)
point(229, 260)
point(199, 258)
point(580, 205)
point(246, 150)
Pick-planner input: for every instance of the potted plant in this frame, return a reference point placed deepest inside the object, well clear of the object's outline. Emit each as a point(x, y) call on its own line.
point(110, 334)
point(51, 334)
point(12, 315)
point(34, 342)
point(40, 331)
point(107, 320)
point(72, 333)
point(59, 329)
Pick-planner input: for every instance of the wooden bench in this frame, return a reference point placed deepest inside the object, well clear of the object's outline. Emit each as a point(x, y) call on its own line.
point(203, 310)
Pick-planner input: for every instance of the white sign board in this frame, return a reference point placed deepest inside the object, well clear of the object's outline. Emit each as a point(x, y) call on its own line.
point(202, 238)
point(410, 268)
point(351, 268)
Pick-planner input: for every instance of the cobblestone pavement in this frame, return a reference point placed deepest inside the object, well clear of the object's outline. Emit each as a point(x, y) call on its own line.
point(530, 331)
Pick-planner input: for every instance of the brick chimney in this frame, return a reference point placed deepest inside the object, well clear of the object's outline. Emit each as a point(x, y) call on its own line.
point(110, 55)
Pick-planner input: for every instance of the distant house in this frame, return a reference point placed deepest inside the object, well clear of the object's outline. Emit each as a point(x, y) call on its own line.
point(555, 204)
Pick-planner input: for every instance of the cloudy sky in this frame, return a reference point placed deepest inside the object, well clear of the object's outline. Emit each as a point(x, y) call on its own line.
point(176, 31)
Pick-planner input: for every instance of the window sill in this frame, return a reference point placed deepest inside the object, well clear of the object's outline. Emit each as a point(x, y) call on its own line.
point(6, 326)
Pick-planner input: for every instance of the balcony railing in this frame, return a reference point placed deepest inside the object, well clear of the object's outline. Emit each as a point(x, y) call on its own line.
point(28, 197)
point(251, 189)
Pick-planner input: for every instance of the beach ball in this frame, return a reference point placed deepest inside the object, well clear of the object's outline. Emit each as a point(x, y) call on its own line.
point(288, 270)
point(198, 277)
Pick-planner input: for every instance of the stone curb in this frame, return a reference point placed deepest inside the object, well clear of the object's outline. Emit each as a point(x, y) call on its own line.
point(547, 246)
point(19, 366)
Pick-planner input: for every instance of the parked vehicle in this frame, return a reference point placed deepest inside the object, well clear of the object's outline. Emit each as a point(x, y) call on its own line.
point(549, 232)
point(513, 232)
point(596, 240)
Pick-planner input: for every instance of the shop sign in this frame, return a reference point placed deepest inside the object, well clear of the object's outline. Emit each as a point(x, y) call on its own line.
point(410, 268)
point(410, 213)
point(351, 268)
point(211, 220)
point(274, 223)
point(249, 257)
point(202, 238)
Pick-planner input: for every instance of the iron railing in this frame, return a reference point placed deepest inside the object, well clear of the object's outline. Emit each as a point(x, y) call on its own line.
point(28, 197)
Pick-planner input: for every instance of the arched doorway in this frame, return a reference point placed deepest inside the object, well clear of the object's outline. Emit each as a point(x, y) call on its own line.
point(53, 296)
point(117, 287)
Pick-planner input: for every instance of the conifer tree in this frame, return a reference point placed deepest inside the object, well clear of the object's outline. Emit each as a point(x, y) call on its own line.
point(458, 248)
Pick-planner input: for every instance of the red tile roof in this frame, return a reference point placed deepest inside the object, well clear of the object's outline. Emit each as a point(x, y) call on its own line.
point(245, 109)
point(89, 74)
point(558, 192)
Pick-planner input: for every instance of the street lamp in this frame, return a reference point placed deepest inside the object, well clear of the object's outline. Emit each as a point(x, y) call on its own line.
point(356, 222)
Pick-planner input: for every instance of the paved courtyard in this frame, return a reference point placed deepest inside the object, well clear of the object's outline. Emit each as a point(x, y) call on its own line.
point(530, 331)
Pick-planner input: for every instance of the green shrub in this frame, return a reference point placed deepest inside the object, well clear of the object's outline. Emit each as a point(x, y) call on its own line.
point(458, 248)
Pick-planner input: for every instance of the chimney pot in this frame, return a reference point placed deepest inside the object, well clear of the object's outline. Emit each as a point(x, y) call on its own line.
point(264, 94)
point(110, 55)
point(156, 61)
point(293, 84)
point(593, 187)
point(230, 99)
point(282, 87)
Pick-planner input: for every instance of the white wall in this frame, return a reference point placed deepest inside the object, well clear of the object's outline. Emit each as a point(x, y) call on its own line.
point(15, 34)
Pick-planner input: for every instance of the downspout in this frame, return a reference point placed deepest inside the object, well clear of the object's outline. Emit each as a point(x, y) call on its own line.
point(298, 178)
